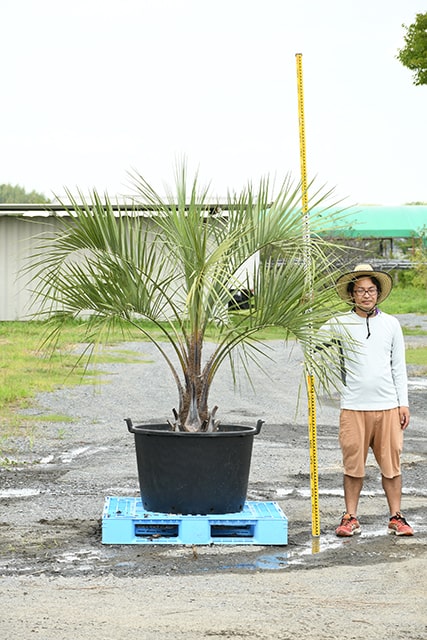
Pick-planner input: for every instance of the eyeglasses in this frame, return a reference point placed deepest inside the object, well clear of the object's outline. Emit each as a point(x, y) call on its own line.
point(361, 292)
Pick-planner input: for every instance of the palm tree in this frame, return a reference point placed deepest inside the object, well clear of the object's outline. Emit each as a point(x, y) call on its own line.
point(177, 267)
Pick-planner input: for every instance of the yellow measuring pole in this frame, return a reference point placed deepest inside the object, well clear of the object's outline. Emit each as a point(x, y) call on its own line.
point(314, 474)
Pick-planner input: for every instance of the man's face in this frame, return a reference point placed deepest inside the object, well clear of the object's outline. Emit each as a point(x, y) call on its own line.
point(365, 293)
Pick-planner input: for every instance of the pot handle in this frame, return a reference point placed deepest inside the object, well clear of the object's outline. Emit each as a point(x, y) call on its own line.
point(258, 426)
point(130, 425)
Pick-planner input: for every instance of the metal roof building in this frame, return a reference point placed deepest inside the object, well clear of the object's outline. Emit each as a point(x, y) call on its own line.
point(20, 224)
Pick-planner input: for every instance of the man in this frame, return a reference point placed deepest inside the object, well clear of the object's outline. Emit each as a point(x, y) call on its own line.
point(374, 396)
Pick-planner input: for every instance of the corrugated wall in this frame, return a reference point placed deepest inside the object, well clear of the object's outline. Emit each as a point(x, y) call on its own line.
point(19, 236)
point(17, 241)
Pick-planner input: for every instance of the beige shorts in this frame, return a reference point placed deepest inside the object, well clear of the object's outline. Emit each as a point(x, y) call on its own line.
point(378, 430)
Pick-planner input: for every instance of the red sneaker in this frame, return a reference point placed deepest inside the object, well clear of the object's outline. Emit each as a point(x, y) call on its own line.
point(349, 526)
point(399, 526)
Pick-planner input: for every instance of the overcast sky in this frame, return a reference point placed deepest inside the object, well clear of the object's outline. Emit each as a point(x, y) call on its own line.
point(95, 88)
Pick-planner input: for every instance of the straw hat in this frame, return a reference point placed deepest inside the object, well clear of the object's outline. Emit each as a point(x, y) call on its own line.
point(364, 271)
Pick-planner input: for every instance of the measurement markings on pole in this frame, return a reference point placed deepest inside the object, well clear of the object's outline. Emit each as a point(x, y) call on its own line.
point(309, 281)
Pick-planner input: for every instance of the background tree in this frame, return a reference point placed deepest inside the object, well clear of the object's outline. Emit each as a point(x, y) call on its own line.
point(418, 257)
point(414, 53)
point(10, 194)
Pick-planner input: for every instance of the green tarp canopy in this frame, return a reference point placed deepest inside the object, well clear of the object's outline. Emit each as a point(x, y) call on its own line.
point(383, 222)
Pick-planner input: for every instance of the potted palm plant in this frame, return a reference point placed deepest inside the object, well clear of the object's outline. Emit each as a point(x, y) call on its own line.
point(177, 262)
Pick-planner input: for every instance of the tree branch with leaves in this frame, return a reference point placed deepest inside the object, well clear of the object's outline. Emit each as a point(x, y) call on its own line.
point(414, 54)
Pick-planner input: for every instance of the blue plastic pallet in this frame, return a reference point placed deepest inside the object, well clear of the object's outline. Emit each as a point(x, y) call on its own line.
point(125, 521)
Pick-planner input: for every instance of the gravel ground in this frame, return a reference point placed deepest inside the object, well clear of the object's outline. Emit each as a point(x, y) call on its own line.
point(59, 581)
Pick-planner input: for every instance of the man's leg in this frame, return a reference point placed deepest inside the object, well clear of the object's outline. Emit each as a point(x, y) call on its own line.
point(349, 524)
point(393, 491)
point(387, 447)
point(354, 447)
point(352, 488)
point(354, 437)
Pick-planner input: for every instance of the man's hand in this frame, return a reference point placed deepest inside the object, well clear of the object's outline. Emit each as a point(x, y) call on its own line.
point(404, 417)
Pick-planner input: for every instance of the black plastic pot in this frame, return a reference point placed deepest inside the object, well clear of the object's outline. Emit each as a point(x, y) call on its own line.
point(193, 473)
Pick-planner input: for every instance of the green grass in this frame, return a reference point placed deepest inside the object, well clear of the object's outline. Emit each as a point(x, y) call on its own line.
point(26, 369)
point(413, 331)
point(417, 356)
point(406, 299)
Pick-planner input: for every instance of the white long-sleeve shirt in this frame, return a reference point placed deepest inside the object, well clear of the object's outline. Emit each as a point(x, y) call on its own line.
point(375, 367)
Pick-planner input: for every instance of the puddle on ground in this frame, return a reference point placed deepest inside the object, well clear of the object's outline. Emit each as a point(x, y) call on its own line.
point(82, 560)
point(72, 454)
point(19, 493)
point(302, 554)
point(415, 384)
point(306, 493)
point(66, 457)
point(297, 556)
